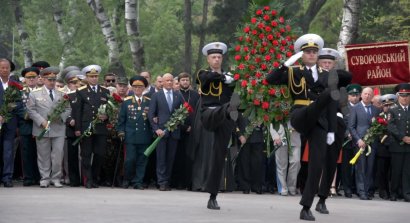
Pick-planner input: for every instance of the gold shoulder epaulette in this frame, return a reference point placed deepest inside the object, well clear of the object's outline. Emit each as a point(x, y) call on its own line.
point(128, 98)
point(145, 97)
point(37, 89)
point(82, 88)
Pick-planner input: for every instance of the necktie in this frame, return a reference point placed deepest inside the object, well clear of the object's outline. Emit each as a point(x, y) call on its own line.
point(309, 77)
point(51, 95)
point(94, 89)
point(139, 101)
point(369, 111)
point(405, 109)
point(169, 100)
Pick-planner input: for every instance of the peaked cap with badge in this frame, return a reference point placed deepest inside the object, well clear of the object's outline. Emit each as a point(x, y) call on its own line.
point(309, 40)
point(329, 53)
point(214, 47)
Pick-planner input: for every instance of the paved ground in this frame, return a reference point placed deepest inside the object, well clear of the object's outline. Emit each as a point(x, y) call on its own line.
point(33, 204)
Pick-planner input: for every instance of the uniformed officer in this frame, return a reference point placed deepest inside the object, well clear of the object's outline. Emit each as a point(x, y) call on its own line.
point(315, 92)
point(40, 65)
point(399, 128)
point(134, 127)
point(28, 143)
point(41, 104)
point(89, 99)
point(218, 112)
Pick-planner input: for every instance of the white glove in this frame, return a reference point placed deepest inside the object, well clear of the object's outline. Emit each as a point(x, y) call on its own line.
point(228, 79)
point(330, 138)
point(293, 59)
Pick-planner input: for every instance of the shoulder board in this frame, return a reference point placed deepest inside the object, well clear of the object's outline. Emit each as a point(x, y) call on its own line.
point(128, 98)
point(147, 98)
point(82, 88)
point(319, 69)
point(38, 89)
point(25, 89)
point(73, 92)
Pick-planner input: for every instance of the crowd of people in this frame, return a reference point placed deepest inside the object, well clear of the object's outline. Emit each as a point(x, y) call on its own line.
point(62, 137)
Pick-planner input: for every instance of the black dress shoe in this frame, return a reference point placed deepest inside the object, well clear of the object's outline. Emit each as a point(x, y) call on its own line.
point(246, 191)
point(393, 198)
point(138, 187)
point(125, 184)
point(162, 188)
point(364, 197)
point(383, 195)
point(348, 195)
point(321, 208)
point(306, 215)
point(213, 204)
point(8, 184)
point(89, 185)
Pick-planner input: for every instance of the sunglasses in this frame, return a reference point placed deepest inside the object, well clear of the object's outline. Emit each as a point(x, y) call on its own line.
point(110, 80)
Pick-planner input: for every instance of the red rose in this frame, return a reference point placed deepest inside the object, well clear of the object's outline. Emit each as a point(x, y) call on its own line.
point(266, 118)
point(246, 49)
point(240, 38)
point(258, 60)
point(247, 57)
point(247, 76)
point(270, 37)
point(253, 51)
point(258, 74)
point(248, 39)
point(278, 117)
point(275, 42)
point(288, 28)
point(261, 25)
point(241, 66)
point(273, 12)
point(274, 24)
point(244, 83)
point(262, 50)
point(265, 82)
point(278, 56)
point(272, 50)
point(268, 57)
point(286, 112)
point(266, 17)
point(254, 32)
point(265, 105)
point(250, 91)
point(65, 97)
point(253, 20)
point(276, 64)
point(237, 57)
point(282, 48)
point(288, 54)
point(263, 66)
point(253, 83)
point(109, 126)
point(268, 29)
point(281, 19)
point(188, 107)
point(283, 42)
point(272, 91)
point(252, 67)
point(259, 12)
point(236, 77)
point(292, 48)
point(246, 29)
point(288, 38)
point(277, 34)
point(256, 102)
point(264, 43)
point(282, 90)
point(237, 48)
point(117, 97)
point(266, 8)
point(16, 85)
point(282, 30)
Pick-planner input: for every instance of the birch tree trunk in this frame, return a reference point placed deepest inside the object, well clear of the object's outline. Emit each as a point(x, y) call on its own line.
point(350, 24)
point(202, 29)
point(131, 24)
point(107, 30)
point(188, 36)
point(23, 35)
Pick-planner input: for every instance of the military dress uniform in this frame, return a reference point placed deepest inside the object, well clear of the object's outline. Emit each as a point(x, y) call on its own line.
point(134, 126)
point(28, 142)
point(399, 127)
point(89, 99)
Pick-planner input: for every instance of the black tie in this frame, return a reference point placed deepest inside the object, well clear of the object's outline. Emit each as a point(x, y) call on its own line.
point(405, 109)
point(51, 95)
point(309, 76)
point(368, 111)
point(94, 89)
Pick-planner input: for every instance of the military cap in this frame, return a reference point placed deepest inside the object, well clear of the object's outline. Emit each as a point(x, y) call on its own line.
point(309, 40)
point(214, 47)
point(354, 89)
point(329, 53)
point(122, 80)
point(388, 99)
point(72, 76)
point(402, 89)
point(50, 72)
point(138, 81)
point(66, 70)
point(30, 72)
point(41, 64)
point(92, 70)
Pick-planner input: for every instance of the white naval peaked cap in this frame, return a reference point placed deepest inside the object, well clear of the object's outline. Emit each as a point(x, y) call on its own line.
point(329, 53)
point(91, 69)
point(214, 47)
point(309, 40)
point(388, 99)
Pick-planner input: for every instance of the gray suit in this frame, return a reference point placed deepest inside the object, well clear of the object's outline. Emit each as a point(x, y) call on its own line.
point(50, 147)
point(359, 123)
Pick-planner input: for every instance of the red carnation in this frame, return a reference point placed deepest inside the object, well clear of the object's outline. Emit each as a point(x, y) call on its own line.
point(282, 48)
point(265, 105)
point(286, 112)
point(261, 36)
point(277, 34)
point(272, 91)
point(273, 12)
point(262, 50)
point(278, 117)
point(276, 64)
point(266, 17)
point(255, 43)
point(266, 118)
point(288, 54)
point(278, 56)
point(265, 82)
point(282, 30)
point(256, 102)
point(247, 57)
point(258, 74)
point(251, 67)
point(268, 57)
point(292, 48)
point(261, 25)
point(266, 8)
point(117, 97)
point(250, 91)
point(288, 38)
point(247, 76)
point(236, 77)
point(270, 37)
point(274, 23)
point(275, 42)
point(259, 12)
point(264, 43)
point(254, 32)
point(241, 66)
point(283, 42)
point(237, 48)
point(288, 28)
point(272, 50)
point(237, 57)
point(244, 83)
point(246, 29)
point(188, 107)
point(263, 66)
point(109, 126)
point(281, 19)
point(253, 51)
point(240, 38)
point(246, 49)
point(258, 60)
point(253, 20)
point(248, 39)
point(253, 83)
point(268, 29)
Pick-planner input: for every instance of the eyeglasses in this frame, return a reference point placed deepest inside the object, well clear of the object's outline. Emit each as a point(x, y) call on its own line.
point(110, 80)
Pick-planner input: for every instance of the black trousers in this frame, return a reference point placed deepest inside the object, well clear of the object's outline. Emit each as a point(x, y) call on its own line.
point(348, 179)
point(250, 166)
point(400, 174)
point(29, 158)
point(73, 162)
point(182, 171)
point(383, 173)
point(92, 156)
point(217, 121)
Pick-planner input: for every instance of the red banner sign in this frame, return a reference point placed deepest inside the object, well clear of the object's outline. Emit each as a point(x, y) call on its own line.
point(379, 63)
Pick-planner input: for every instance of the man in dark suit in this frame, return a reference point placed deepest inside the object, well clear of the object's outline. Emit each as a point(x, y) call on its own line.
point(399, 128)
point(134, 127)
point(89, 98)
point(150, 89)
point(8, 130)
point(315, 93)
point(162, 105)
point(360, 121)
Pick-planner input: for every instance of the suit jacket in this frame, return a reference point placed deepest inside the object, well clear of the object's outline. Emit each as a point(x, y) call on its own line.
point(360, 121)
point(17, 112)
point(40, 105)
point(159, 108)
point(133, 121)
point(87, 106)
point(398, 127)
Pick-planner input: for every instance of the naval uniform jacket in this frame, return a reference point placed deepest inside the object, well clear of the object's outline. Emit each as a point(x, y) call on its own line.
point(210, 84)
point(133, 121)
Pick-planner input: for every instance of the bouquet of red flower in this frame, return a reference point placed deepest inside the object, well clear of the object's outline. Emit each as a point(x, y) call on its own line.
point(264, 43)
point(177, 118)
point(377, 128)
point(11, 95)
point(61, 106)
point(110, 109)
